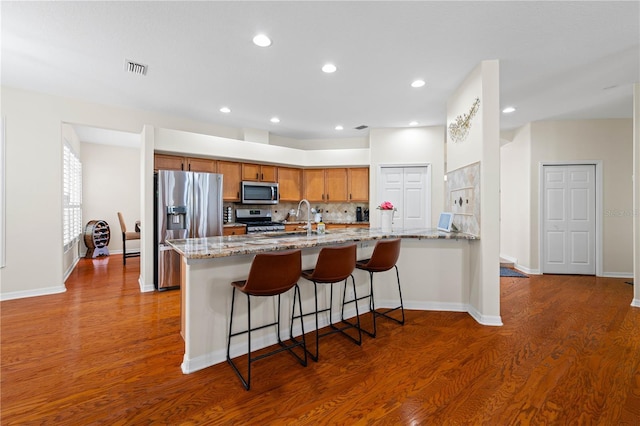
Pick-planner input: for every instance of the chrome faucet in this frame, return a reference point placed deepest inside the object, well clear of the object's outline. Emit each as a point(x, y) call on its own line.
point(308, 214)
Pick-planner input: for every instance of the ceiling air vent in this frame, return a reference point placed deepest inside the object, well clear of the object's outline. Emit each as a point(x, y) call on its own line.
point(361, 127)
point(135, 68)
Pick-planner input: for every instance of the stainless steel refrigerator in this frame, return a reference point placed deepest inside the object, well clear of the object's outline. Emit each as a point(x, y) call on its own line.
point(187, 205)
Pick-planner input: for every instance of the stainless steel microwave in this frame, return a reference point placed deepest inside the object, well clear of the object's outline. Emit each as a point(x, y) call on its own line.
point(259, 192)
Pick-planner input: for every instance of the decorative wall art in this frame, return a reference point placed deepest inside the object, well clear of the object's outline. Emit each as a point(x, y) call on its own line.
point(463, 198)
point(459, 128)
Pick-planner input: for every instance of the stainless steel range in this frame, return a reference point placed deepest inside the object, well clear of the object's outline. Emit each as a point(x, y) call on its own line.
point(258, 220)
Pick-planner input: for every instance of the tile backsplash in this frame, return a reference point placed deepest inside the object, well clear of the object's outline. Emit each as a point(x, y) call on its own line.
point(331, 212)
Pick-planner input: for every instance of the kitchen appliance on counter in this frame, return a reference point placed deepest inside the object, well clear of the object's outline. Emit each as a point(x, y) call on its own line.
point(187, 205)
point(258, 220)
point(259, 192)
point(359, 216)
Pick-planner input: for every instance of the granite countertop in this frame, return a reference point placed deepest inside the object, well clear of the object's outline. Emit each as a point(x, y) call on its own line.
point(327, 222)
point(235, 245)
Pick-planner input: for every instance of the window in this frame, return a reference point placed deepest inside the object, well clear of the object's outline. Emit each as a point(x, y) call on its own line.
point(72, 193)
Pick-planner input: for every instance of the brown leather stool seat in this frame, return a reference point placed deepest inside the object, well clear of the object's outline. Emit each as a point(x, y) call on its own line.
point(384, 257)
point(271, 274)
point(334, 264)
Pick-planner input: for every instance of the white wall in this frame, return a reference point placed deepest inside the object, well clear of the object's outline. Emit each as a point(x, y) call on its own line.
point(610, 141)
point(34, 179)
point(482, 145)
point(406, 147)
point(636, 194)
point(111, 183)
point(515, 199)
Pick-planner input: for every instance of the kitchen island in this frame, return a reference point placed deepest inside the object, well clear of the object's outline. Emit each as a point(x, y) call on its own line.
point(433, 265)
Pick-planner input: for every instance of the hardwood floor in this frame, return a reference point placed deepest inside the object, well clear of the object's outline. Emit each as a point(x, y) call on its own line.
point(103, 353)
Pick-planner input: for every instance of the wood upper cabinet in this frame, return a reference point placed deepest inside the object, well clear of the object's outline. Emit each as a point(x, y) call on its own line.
point(335, 185)
point(359, 184)
point(176, 162)
point(290, 183)
point(231, 177)
point(259, 172)
point(202, 165)
point(325, 184)
point(313, 184)
point(167, 162)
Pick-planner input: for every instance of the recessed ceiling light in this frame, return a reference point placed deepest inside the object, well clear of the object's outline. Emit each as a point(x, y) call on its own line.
point(418, 83)
point(339, 127)
point(413, 123)
point(275, 120)
point(329, 68)
point(508, 110)
point(262, 40)
point(226, 110)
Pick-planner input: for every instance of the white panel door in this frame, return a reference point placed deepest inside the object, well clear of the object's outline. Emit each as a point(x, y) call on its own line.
point(408, 190)
point(569, 223)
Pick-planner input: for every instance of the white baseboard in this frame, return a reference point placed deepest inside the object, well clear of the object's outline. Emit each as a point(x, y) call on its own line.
point(526, 270)
point(70, 270)
point(635, 303)
point(190, 365)
point(509, 259)
point(32, 293)
point(617, 274)
point(145, 288)
point(492, 320)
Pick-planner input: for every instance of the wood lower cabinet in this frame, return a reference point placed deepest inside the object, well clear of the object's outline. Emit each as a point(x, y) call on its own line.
point(290, 184)
point(231, 177)
point(234, 230)
point(347, 225)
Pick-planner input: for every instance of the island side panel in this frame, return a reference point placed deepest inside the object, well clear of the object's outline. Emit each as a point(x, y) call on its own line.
point(433, 274)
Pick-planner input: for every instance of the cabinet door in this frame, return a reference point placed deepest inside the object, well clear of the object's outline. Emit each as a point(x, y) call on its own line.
point(232, 174)
point(251, 172)
point(290, 183)
point(268, 173)
point(234, 230)
point(201, 165)
point(335, 185)
point(168, 162)
point(359, 184)
point(313, 184)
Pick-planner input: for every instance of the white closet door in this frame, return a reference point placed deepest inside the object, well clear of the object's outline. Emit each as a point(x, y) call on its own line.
point(408, 190)
point(392, 190)
point(569, 223)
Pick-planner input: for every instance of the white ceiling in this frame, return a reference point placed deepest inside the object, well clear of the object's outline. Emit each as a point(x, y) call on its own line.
point(558, 60)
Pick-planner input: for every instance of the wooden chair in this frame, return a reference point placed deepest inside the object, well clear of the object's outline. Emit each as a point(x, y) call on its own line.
point(127, 236)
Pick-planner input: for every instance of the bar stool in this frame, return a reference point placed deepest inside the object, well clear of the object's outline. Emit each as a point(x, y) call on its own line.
point(384, 257)
point(271, 274)
point(334, 264)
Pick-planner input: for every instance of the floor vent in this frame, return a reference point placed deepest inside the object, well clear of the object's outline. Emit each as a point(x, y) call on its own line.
point(135, 68)
point(361, 127)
